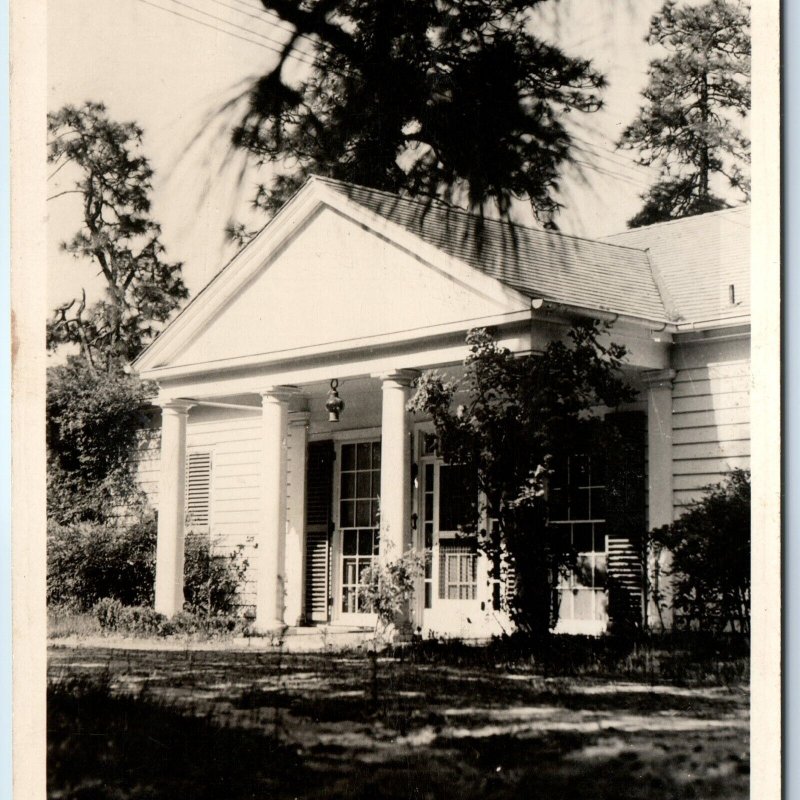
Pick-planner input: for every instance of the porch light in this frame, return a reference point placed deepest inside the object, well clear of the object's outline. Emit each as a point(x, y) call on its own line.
point(334, 403)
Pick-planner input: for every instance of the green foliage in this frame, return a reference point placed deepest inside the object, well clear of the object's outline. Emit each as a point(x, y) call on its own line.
point(87, 562)
point(710, 558)
point(211, 580)
point(93, 422)
point(389, 587)
point(697, 97)
point(459, 100)
point(115, 564)
point(517, 415)
point(117, 237)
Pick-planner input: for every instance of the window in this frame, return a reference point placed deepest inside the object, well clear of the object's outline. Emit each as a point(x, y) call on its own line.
point(458, 578)
point(198, 491)
point(358, 518)
point(458, 497)
point(577, 506)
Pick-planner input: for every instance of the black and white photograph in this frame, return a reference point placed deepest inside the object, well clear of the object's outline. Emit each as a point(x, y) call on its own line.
point(392, 380)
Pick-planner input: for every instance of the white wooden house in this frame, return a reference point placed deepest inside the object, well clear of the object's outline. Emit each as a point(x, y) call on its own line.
point(367, 289)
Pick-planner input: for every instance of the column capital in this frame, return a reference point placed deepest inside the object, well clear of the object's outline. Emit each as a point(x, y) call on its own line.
point(278, 394)
point(658, 378)
point(179, 406)
point(401, 377)
point(298, 418)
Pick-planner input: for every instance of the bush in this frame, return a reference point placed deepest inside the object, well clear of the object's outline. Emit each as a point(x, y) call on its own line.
point(710, 548)
point(114, 617)
point(212, 581)
point(89, 562)
point(389, 587)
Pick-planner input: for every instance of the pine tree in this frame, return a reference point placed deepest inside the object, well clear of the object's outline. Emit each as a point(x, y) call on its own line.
point(458, 100)
point(117, 235)
point(698, 95)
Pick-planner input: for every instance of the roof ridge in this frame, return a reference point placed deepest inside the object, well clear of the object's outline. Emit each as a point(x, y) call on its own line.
point(666, 222)
point(465, 212)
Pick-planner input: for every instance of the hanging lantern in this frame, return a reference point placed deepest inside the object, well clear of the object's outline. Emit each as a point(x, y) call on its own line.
point(334, 404)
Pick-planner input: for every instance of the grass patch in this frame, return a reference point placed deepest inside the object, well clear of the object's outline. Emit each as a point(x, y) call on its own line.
point(63, 622)
point(134, 724)
point(136, 747)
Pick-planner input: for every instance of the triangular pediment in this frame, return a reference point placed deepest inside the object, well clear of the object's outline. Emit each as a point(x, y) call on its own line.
point(332, 280)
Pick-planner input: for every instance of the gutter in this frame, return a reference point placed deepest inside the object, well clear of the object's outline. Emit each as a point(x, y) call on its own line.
point(653, 325)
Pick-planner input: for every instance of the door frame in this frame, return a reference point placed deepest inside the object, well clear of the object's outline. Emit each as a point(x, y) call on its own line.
point(338, 616)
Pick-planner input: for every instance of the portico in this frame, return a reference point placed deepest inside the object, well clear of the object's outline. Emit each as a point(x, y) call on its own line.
point(369, 290)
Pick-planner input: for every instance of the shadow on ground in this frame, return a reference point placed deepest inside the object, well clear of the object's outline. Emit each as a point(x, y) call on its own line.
point(138, 724)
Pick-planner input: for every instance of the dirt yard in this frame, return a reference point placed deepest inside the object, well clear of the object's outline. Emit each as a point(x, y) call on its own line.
point(153, 724)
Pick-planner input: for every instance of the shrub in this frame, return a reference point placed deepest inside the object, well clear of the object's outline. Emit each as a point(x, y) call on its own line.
point(710, 548)
point(89, 561)
point(389, 587)
point(114, 617)
point(212, 580)
point(109, 613)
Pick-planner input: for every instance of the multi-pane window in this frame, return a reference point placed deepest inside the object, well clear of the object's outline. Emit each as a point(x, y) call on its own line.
point(577, 506)
point(458, 557)
point(458, 576)
point(358, 518)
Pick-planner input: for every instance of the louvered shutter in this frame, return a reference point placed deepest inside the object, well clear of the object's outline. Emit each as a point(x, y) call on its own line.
point(319, 499)
point(198, 491)
point(626, 516)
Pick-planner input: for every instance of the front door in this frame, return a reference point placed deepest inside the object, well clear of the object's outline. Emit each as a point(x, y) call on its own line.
point(453, 583)
point(357, 538)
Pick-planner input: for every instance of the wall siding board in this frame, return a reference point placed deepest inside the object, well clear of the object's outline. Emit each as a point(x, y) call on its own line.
point(716, 433)
point(708, 417)
point(711, 416)
point(707, 466)
point(720, 401)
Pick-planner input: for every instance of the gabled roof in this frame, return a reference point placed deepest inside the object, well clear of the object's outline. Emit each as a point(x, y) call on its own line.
point(697, 260)
point(675, 271)
point(565, 269)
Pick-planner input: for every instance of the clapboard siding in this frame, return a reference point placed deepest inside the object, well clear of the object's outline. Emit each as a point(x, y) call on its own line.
point(718, 402)
point(711, 416)
point(147, 460)
point(709, 466)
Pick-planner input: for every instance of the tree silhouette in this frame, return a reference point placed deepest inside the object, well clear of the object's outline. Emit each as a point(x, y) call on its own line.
point(696, 97)
point(117, 235)
point(458, 100)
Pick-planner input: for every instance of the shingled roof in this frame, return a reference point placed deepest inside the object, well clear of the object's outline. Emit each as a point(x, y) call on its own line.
point(697, 260)
point(564, 269)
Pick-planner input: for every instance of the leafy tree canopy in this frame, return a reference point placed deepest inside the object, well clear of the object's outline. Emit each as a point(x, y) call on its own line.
point(93, 420)
point(117, 235)
point(697, 98)
point(455, 99)
point(517, 415)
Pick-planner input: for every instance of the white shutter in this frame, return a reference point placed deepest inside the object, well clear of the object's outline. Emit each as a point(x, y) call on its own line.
point(198, 491)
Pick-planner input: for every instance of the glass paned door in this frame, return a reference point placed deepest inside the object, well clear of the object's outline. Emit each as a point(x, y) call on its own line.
point(359, 487)
point(578, 507)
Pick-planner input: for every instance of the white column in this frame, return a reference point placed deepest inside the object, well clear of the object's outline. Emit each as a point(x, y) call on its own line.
point(296, 516)
point(171, 508)
point(395, 536)
point(660, 485)
point(272, 541)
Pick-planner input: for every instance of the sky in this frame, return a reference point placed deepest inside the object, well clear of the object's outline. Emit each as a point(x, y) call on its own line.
point(150, 64)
